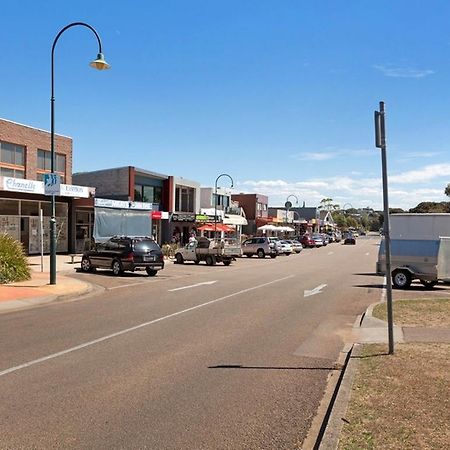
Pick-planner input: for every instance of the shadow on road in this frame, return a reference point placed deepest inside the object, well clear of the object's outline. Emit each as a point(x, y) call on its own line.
point(239, 366)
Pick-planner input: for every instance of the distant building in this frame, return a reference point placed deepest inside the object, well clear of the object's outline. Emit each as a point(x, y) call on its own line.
point(256, 210)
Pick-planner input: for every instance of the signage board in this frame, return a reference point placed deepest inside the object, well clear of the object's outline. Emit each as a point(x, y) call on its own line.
point(182, 217)
point(52, 184)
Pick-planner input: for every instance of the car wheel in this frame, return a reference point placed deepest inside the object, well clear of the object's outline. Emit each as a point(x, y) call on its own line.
point(261, 253)
point(117, 268)
point(428, 284)
point(210, 260)
point(401, 279)
point(151, 272)
point(86, 265)
point(179, 258)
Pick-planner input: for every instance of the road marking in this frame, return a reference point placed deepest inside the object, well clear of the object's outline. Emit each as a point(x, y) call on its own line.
point(367, 254)
point(192, 286)
point(314, 291)
point(331, 253)
point(136, 327)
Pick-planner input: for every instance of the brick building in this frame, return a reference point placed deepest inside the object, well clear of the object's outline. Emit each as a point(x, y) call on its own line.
point(24, 159)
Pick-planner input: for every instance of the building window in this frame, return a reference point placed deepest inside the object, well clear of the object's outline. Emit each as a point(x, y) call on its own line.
point(44, 164)
point(184, 199)
point(148, 194)
point(12, 160)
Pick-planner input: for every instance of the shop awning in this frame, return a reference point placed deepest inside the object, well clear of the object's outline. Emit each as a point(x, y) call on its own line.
point(216, 227)
point(234, 219)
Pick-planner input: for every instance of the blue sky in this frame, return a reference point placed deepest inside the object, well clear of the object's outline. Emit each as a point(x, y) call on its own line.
point(278, 94)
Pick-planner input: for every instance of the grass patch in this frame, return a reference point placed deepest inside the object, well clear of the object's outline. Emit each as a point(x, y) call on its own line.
point(400, 401)
point(421, 312)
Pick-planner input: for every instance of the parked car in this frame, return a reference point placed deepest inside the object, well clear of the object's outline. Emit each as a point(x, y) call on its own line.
point(307, 241)
point(276, 241)
point(337, 236)
point(325, 238)
point(350, 239)
point(318, 240)
point(121, 253)
point(285, 248)
point(297, 247)
point(260, 246)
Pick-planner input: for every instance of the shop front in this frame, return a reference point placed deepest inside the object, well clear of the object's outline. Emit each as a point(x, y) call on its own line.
point(25, 213)
point(181, 226)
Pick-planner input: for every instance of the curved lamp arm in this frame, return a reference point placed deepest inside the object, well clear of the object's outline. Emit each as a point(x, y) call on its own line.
point(215, 198)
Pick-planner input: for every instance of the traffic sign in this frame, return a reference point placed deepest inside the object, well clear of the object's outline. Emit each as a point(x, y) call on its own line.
point(52, 184)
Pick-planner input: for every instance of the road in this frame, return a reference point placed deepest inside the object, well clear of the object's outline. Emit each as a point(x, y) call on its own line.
point(196, 358)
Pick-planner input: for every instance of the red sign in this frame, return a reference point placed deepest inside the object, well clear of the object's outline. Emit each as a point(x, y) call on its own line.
point(156, 215)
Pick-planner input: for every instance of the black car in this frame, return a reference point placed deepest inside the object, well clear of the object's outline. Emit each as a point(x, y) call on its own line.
point(122, 253)
point(349, 239)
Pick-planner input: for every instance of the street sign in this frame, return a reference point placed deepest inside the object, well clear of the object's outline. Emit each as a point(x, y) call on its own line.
point(52, 184)
point(288, 205)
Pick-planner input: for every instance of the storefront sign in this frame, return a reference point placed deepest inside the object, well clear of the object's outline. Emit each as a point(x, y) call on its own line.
point(69, 190)
point(21, 185)
point(121, 204)
point(157, 215)
point(206, 218)
point(182, 217)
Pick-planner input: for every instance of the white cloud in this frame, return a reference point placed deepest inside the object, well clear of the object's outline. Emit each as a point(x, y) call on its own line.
point(315, 156)
point(331, 154)
point(425, 174)
point(391, 70)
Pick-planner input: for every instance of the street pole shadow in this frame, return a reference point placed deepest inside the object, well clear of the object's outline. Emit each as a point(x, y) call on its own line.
point(240, 366)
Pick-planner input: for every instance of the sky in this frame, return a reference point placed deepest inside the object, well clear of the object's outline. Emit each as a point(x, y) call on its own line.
point(280, 95)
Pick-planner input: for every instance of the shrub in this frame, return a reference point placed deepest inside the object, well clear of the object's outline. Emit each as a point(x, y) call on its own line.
point(13, 261)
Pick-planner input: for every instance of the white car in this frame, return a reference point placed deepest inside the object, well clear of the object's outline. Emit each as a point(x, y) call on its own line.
point(285, 248)
point(297, 247)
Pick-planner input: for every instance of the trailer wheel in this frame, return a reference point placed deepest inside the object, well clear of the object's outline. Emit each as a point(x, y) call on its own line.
point(227, 262)
point(401, 279)
point(428, 284)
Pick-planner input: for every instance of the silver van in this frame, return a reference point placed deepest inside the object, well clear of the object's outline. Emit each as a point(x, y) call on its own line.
point(260, 246)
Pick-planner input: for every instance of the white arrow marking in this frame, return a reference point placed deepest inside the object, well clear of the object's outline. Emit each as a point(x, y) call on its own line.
point(314, 291)
point(192, 286)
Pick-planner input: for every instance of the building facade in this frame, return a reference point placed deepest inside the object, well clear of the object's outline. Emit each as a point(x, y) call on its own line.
point(256, 211)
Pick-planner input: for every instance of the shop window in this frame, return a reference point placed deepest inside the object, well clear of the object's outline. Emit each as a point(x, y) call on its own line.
point(149, 194)
point(9, 207)
point(184, 199)
point(44, 164)
point(29, 208)
point(12, 160)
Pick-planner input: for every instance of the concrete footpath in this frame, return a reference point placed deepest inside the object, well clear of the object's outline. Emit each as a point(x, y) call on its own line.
point(38, 290)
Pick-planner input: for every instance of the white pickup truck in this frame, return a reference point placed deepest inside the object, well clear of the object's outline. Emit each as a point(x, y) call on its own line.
point(211, 251)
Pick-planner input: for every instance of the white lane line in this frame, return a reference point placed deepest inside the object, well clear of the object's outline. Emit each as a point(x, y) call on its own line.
point(331, 253)
point(128, 330)
point(314, 291)
point(192, 286)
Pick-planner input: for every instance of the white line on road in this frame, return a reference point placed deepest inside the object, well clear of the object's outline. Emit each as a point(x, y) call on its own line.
point(367, 254)
point(192, 286)
point(314, 291)
point(331, 253)
point(142, 325)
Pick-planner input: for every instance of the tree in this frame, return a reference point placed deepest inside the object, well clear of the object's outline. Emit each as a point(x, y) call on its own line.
point(447, 190)
point(431, 207)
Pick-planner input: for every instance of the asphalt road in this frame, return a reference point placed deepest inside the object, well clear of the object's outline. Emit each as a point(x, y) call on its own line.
point(196, 358)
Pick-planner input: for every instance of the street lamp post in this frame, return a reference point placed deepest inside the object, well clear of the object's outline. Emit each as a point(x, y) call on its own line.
point(100, 64)
point(215, 199)
point(288, 204)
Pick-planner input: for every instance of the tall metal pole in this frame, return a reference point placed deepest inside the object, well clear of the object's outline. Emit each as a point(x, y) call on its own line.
point(215, 199)
point(52, 145)
point(380, 134)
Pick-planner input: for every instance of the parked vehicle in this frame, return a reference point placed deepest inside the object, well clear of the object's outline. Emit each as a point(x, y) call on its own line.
point(349, 239)
point(260, 246)
point(211, 251)
point(318, 240)
point(297, 247)
point(125, 253)
point(337, 236)
point(419, 249)
point(307, 241)
point(285, 248)
point(325, 238)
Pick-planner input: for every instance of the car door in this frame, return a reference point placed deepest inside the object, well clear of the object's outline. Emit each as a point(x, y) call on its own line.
point(247, 246)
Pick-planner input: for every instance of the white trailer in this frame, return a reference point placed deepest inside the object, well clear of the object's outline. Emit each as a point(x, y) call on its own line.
point(418, 249)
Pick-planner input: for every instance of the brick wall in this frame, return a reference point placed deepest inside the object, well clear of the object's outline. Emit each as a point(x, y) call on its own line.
point(108, 183)
point(33, 139)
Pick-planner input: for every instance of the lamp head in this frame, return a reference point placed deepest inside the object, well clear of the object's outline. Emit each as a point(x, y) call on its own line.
point(100, 63)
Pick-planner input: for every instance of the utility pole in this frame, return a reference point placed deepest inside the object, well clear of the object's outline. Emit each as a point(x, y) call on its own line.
point(380, 142)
